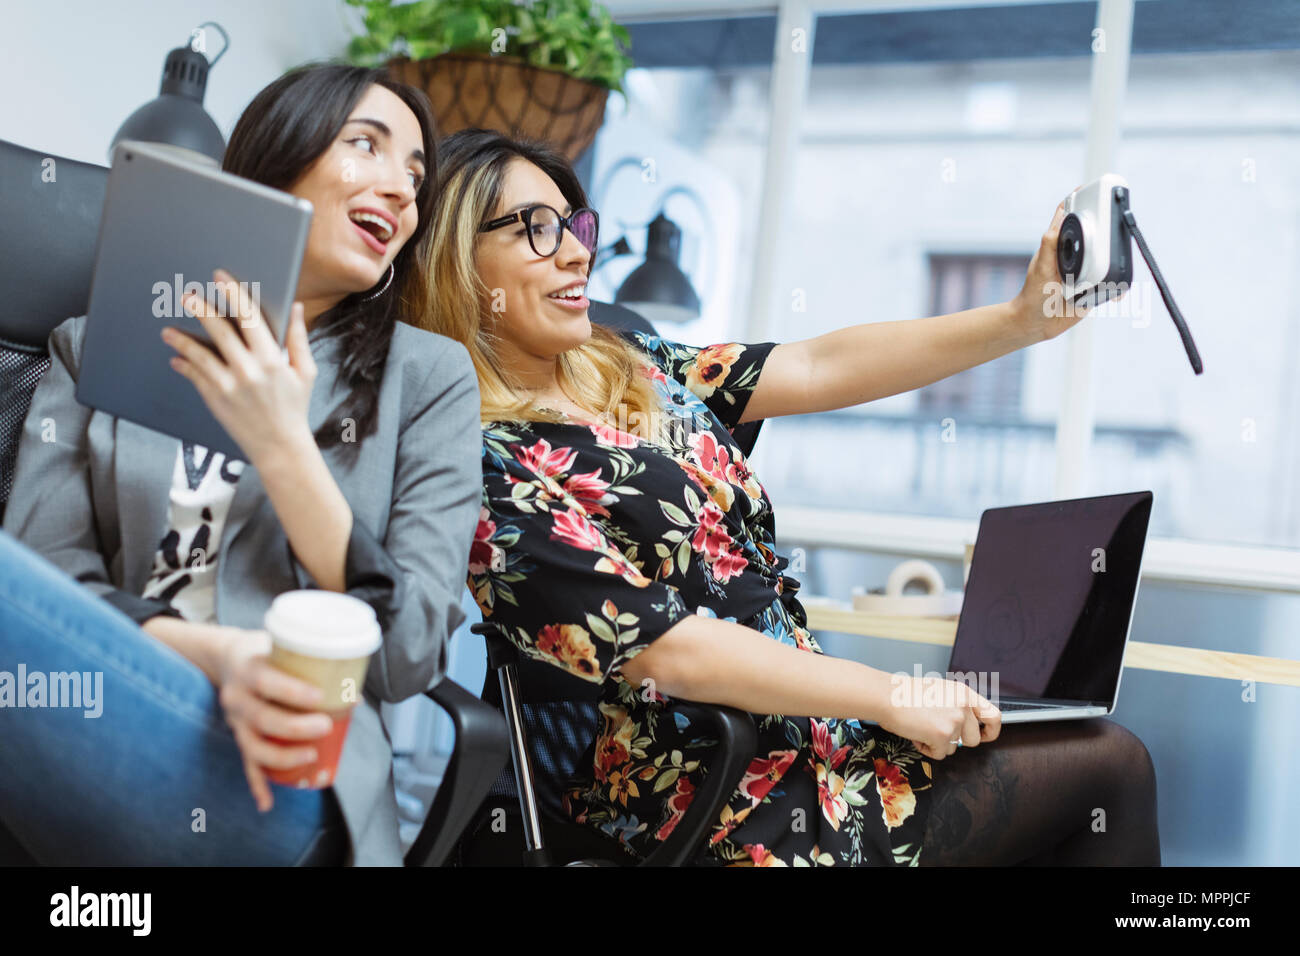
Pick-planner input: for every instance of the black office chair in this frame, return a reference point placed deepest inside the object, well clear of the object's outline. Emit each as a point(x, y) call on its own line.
point(49, 223)
point(553, 719)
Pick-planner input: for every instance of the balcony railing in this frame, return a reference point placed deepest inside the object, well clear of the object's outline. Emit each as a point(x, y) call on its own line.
point(956, 466)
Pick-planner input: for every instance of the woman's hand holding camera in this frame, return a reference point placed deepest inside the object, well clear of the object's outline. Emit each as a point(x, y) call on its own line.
point(935, 728)
point(1041, 310)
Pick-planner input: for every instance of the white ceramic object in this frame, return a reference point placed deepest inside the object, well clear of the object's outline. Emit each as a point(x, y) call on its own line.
point(934, 602)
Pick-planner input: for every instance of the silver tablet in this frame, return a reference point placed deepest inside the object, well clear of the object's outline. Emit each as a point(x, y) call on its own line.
point(168, 222)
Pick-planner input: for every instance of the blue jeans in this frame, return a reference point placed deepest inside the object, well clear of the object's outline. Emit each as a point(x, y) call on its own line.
point(156, 778)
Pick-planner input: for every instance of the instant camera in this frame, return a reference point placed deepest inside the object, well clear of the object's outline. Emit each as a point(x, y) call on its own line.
point(1095, 259)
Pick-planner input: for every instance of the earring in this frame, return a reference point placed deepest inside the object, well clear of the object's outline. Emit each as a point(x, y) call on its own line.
point(384, 288)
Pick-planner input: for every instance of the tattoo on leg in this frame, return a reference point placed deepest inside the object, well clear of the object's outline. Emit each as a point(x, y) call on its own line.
point(974, 804)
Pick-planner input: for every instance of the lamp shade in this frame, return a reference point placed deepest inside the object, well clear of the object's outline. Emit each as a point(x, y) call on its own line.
point(658, 288)
point(177, 117)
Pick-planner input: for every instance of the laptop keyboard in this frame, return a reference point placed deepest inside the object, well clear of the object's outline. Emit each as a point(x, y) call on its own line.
point(1029, 705)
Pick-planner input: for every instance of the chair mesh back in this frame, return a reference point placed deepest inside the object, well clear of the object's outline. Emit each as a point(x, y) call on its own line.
point(559, 734)
point(21, 369)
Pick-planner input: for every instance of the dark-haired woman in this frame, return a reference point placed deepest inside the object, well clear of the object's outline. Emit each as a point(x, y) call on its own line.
point(145, 563)
point(625, 538)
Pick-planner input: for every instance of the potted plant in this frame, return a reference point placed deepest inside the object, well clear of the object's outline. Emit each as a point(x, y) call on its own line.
point(536, 68)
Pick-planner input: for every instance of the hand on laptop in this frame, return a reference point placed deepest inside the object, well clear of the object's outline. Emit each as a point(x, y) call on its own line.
point(935, 713)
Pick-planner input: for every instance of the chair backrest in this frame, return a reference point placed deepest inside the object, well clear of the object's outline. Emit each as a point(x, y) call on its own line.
point(560, 715)
point(615, 316)
point(49, 223)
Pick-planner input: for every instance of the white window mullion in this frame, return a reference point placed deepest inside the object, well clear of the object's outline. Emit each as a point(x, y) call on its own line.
point(1074, 426)
point(790, 69)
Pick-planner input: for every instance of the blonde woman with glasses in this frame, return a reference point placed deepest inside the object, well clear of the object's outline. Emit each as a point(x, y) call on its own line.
point(624, 537)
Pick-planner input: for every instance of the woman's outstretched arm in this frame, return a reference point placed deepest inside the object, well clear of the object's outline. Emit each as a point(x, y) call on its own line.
point(865, 362)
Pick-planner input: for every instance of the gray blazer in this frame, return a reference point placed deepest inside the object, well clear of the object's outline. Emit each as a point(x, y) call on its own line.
point(94, 503)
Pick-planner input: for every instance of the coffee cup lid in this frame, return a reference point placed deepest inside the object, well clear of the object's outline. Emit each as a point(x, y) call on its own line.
point(323, 624)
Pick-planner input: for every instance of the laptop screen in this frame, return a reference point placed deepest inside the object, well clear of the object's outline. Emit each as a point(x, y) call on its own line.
point(1050, 596)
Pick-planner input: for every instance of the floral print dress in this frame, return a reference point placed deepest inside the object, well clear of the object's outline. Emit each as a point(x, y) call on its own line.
point(592, 542)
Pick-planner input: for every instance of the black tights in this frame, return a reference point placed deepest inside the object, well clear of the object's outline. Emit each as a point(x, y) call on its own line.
point(1031, 798)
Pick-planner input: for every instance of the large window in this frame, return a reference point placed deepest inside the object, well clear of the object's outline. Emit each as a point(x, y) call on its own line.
point(927, 168)
point(688, 142)
point(930, 149)
point(1210, 144)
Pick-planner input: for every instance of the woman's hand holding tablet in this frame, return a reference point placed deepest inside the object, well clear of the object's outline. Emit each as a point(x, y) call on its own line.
point(259, 393)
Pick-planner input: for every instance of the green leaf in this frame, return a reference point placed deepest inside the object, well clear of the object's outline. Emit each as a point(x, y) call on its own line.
point(600, 628)
point(683, 556)
point(426, 49)
point(577, 36)
point(673, 513)
point(667, 779)
point(626, 618)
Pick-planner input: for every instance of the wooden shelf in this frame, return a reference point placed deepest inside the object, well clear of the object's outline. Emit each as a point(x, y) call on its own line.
point(1194, 661)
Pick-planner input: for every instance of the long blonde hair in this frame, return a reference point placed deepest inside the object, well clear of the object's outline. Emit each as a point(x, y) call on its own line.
point(606, 373)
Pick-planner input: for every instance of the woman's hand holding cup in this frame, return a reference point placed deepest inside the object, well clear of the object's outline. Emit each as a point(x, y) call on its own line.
point(261, 700)
point(325, 639)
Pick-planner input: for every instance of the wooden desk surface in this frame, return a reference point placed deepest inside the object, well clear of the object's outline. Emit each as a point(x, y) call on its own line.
point(1228, 665)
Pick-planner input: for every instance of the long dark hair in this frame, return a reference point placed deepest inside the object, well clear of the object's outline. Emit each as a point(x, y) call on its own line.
point(281, 133)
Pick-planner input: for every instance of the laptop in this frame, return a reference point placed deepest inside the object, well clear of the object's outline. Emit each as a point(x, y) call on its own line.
point(168, 222)
point(1049, 605)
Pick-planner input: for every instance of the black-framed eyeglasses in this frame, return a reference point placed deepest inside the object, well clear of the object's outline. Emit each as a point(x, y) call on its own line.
point(545, 227)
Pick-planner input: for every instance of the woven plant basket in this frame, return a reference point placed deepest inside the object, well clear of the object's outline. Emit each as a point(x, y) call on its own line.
point(508, 95)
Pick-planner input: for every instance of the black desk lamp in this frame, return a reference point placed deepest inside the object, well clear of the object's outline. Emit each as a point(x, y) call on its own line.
point(177, 118)
point(658, 289)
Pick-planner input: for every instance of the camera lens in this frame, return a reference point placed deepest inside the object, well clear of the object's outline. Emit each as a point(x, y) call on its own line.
point(1069, 246)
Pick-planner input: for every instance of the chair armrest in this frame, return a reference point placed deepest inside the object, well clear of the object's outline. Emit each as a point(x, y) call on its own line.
point(481, 749)
point(737, 740)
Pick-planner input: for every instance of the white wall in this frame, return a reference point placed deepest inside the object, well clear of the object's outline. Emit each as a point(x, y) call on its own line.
point(73, 70)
